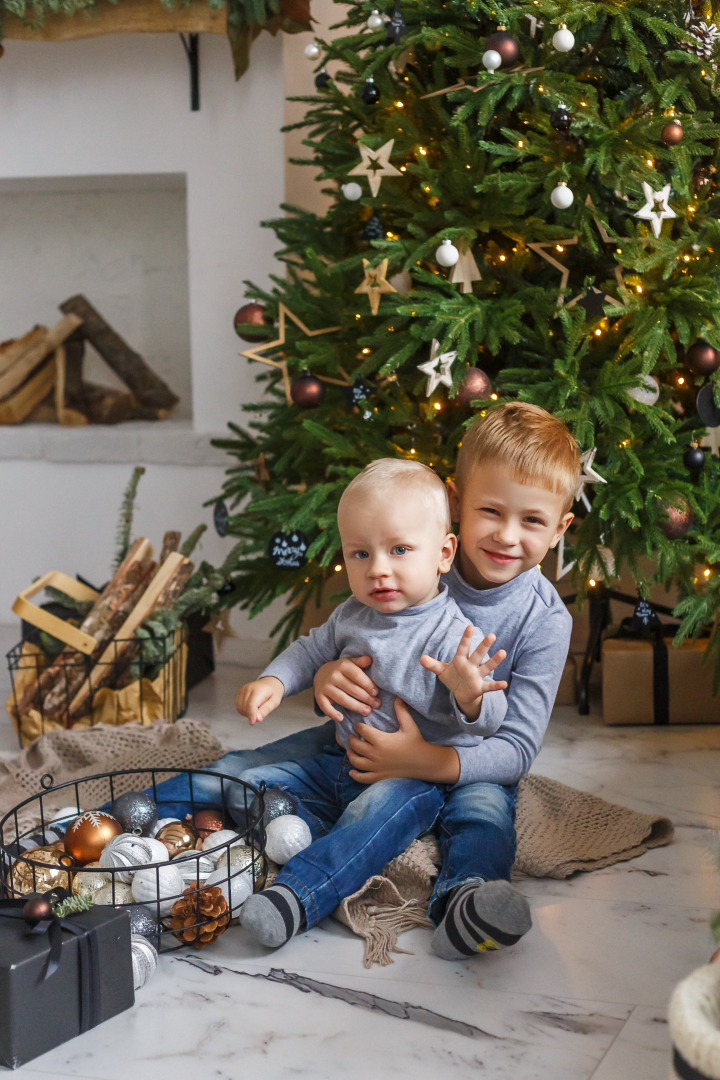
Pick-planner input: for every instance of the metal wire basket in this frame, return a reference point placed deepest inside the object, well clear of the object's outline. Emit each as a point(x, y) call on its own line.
point(29, 826)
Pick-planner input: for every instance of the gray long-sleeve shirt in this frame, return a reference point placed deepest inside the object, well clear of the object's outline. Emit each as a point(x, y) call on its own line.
point(396, 641)
point(533, 625)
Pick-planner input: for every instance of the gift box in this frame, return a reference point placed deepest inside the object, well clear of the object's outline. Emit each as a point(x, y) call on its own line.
point(651, 681)
point(40, 1008)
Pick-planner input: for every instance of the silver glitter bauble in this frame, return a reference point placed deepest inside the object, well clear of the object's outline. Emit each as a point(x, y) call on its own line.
point(194, 867)
point(136, 812)
point(144, 959)
point(277, 803)
point(113, 893)
point(143, 922)
point(241, 858)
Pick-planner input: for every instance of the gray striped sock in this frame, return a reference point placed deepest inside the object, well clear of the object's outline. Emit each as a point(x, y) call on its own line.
point(481, 917)
point(272, 916)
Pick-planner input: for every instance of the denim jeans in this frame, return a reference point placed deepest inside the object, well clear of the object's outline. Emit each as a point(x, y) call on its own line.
point(356, 828)
point(475, 827)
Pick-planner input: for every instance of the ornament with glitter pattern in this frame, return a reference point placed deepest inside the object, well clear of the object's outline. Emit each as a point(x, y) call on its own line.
point(136, 812)
point(678, 518)
point(113, 894)
point(128, 852)
point(277, 802)
point(241, 858)
point(88, 834)
point(206, 821)
point(195, 867)
point(161, 884)
point(89, 880)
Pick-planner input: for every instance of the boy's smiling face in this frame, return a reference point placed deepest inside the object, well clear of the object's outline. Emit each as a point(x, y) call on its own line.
point(506, 527)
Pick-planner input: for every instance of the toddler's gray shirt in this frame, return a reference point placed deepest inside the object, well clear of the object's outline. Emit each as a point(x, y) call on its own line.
point(396, 641)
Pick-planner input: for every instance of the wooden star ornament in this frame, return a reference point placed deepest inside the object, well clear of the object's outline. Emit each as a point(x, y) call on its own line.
point(257, 352)
point(656, 209)
point(587, 476)
point(430, 368)
point(375, 283)
point(375, 164)
point(220, 628)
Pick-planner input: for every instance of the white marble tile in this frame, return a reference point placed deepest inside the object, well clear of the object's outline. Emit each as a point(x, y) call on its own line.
point(642, 1050)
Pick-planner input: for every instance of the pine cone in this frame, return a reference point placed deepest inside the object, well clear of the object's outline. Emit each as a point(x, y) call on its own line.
point(200, 916)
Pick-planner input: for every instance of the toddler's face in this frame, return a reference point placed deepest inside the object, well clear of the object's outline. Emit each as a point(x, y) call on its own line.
point(394, 550)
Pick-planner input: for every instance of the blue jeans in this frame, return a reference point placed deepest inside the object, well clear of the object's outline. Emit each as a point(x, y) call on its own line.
point(475, 827)
point(356, 828)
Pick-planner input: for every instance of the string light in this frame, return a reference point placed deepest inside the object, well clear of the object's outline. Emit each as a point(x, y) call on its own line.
point(639, 288)
point(412, 451)
point(358, 316)
point(338, 568)
point(707, 573)
point(366, 352)
point(598, 333)
point(493, 397)
point(592, 583)
point(422, 150)
point(559, 247)
point(437, 406)
point(681, 380)
point(650, 162)
point(399, 104)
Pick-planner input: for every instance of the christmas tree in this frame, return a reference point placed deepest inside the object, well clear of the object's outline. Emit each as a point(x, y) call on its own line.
point(519, 208)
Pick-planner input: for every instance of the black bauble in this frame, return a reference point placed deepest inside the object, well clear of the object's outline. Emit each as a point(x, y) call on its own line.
point(322, 79)
point(370, 94)
point(706, 408)
point(694, 459)
point(506, 45)
point(307, 392)
point(702, 358)
point(560, 119)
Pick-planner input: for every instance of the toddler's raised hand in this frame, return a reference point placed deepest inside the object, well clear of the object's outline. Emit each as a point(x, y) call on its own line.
point(256, 700)
point(466, 674)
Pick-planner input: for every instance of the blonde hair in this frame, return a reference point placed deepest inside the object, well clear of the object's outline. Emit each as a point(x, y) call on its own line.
point(532, 442)
point(386, 474)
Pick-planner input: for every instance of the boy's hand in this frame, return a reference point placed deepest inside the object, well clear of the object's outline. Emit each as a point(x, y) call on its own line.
point(466, 675)
point(256, 700)
point(343, 682)
point(384, 755)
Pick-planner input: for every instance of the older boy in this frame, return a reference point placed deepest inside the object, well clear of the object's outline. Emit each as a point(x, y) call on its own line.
point(394, 523)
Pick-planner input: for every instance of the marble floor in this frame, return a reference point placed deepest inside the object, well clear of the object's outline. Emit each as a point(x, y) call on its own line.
point(583, 996)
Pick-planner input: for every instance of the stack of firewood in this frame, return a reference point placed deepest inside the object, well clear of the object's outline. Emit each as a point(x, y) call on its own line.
point(41, 374)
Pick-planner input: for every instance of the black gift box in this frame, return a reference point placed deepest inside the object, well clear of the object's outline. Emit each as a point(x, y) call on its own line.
point(93, 981)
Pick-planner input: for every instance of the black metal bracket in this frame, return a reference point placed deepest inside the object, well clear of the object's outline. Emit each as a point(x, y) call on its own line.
point(191, 44)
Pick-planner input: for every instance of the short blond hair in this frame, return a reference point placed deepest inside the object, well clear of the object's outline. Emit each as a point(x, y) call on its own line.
point(386, 474)
point(533, 443)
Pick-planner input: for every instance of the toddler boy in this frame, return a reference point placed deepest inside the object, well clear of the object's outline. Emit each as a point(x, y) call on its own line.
point(394, 524)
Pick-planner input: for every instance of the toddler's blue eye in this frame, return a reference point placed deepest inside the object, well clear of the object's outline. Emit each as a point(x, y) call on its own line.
point(399, 549)
point(361, 554)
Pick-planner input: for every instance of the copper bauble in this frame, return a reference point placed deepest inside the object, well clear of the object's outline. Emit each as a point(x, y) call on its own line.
point(475, 387)
point(178, 836)
point(506, 45)
point(206, 821)
point(253, 313)
point(307, 391)
point(41, 872)
point(37, 908)
point(88, 834)
point(702, 358)
point(678, 519)
point(672, 133)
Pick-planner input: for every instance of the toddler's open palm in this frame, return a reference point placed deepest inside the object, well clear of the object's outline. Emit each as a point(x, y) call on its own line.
point(466, 676)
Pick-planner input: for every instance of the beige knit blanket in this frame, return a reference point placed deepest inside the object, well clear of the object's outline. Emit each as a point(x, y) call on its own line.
point(559, 830)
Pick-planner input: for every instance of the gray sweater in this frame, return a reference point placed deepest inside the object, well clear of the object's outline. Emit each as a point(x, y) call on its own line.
point(396, 641)
point(531, 622)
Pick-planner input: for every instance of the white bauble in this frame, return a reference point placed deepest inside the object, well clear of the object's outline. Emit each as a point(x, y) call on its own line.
point(164, 884)
point(492, 60)
point(162, 823)
point(144, 959)
point(352, 191)
point(375, 20)
point(235, 889)
point(121, 894)
point(194, 867)
point(157, 852)
point(561, 196)
point(447, 254)
point(285, 836)
point(220, 840)
point(648, 393)
point(130, 851)
point(563, 39)
point(312, 50)
point(65, 815)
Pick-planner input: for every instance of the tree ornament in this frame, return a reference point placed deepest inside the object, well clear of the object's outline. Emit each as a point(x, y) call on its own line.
point(678, 518)
point(375, 283)
point(563, 39)
point(402, 282)
point(447, 254)
point(492, 60)
point(429, 368)
point(702, 178)
point(89, 880)
point(352, 191)
point(235, 887)
point(206, 821)
point(656, 208)
point(194, 867)
point(307, 391)
point(672, 133)
point(216, 844)
point(370, 95)
point(706, 408)
point(243, 857)
point(113, 894)
point(359, 394)
point(375, 164)
point(277, 803)
point(704, 34)
point(374, 230)
point(286, 836)
point(396, 28)
point(284, 313)
point(36, 908)
point(505, 45)
point(136, 812)
point(177, 836)
point(561, 196)
point(560, 119)
point(221, 517)
point(702, 358)
point(288, 551)
point(253, 313)
point(312, 50)
point(322, 79)
point(88, 834)
point(561, 567)
point(375, 20)
point(65, 816)
point(476, 386)
point(694, 459)
point(159, 885)
point(647, 393)
point(46, 869)
point(199, 917)
point(128, 851)
point(588, 475)
point(465, 271)
point(144, 960)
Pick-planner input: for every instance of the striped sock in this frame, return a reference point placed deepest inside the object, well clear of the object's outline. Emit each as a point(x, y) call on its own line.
point(481, 917)
point(273, 916)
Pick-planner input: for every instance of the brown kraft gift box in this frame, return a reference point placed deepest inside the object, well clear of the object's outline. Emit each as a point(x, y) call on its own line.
point(627, 683)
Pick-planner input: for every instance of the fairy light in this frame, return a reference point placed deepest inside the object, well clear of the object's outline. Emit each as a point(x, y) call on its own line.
point(559, 247)
point(592, 583)
point(403, 168)
point(520, 142)
point(650, 162)
point(358, 316)
point(502, 258)
point(399, 104)
point(366, 352)
point(638, 288)
point(437, 406)
point(422, 150)
point(598, 333)
point(681, 380)
point(338, 568)
point(686, 258)
point(706, 572)
point(493, 397)
point(412, 451)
